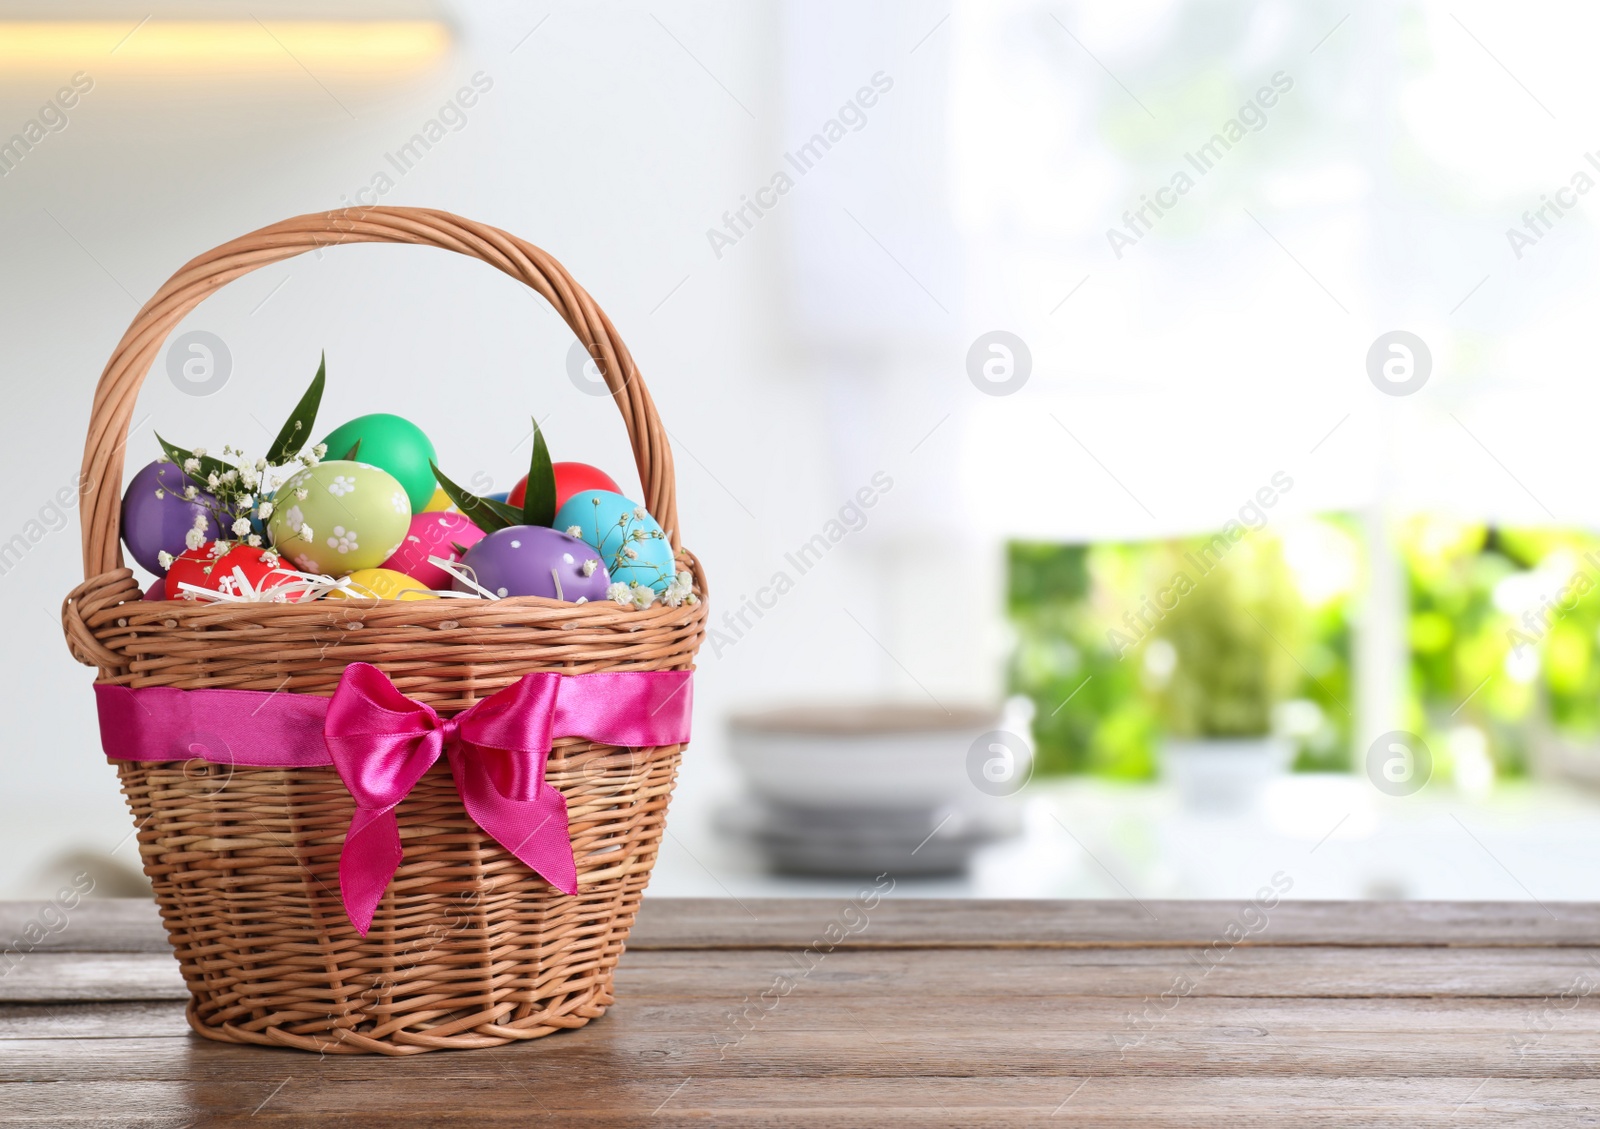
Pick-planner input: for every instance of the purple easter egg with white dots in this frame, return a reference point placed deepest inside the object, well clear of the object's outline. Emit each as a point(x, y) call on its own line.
point(152, 525)
point(527, 560)
point(433, 535)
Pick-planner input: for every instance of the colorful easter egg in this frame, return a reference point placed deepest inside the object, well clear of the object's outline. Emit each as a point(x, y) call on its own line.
point(534, 560)
point(434, 535)
point(238, 570)
point(632, 544)
point(155, 517)
point(570, 479)
point(339, 516)
point(383, 584)
point(392, 444)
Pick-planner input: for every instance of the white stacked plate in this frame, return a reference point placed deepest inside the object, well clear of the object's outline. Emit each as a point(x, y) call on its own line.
point(865, 790)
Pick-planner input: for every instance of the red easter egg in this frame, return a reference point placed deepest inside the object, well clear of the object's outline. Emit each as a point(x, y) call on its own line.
point(571, 478)
point(433, 535)
point(193, 566)
point(201, 568)
point(157, 591)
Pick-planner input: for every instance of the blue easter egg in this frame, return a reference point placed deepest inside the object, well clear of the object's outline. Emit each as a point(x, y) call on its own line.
point(615, 527)
point(501, 496)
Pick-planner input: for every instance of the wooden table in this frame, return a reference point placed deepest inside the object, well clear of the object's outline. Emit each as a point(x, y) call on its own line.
point(926, 1013)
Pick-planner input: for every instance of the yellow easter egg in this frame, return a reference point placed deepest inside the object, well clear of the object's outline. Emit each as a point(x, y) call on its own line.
point(382, 584)
point(438, 503)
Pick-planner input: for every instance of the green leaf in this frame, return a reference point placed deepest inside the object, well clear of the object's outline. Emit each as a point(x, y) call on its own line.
point(208, 464)
point(487, 514)
point(539, 500)
point(292, 438)
point(349, 456)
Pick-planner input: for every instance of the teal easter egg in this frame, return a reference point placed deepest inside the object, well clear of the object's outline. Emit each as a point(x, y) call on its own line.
point(339, 516)
point(631, 543)
point(393, 444)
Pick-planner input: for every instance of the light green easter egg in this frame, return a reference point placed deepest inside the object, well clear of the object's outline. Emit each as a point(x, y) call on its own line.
point(339, 516)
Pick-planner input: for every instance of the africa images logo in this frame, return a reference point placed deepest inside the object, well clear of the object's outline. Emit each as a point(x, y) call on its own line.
point(1251, 118)
point(849, 118)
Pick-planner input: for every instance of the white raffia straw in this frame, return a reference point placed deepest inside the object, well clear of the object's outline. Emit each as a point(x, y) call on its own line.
point(302, 586)
point(464, 574)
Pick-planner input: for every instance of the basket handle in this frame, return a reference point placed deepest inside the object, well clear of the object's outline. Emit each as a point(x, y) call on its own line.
point(135, 354)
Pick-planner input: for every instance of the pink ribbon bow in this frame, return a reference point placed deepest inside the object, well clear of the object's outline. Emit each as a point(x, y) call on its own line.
point(382, 742)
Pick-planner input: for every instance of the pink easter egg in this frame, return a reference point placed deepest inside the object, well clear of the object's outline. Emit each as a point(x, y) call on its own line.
point(433, 535)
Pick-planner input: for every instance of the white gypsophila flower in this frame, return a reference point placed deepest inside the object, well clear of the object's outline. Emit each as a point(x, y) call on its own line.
point(574, 531)
point(621, 593)
point(630, 552)
point(265, 510)
point(640, 513)
point(230, 475)
point(680, 589)
point(219, 549)
point(191, 492)
point(302, 494)
point(249, 479)
point(191, 466)
point(320, 450)
point(194, 538)
point(212, 480)
point(241, 527)
point(200, 452)
point(246, 500)
point(261, 465)
point(165, 558)
point(254, 540)
point(160, 493)
point(305, 533)
point(199, 522)
point(643, 596)
point(589, 567)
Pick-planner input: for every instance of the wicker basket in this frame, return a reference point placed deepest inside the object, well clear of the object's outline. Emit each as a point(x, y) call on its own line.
point(468, 947)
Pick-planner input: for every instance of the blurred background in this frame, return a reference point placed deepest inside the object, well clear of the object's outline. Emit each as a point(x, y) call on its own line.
point(1138, 450)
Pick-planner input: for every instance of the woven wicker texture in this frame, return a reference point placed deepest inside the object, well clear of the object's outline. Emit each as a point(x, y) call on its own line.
point(468, 948)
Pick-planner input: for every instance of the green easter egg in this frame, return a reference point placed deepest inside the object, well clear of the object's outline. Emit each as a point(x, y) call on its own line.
point(392, 444)
point(339, 516)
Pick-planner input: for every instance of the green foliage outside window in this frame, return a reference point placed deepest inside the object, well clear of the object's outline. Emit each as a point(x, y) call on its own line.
point(1503, 631)
point(1113, 654)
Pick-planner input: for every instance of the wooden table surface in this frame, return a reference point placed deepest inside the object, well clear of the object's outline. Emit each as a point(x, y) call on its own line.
point(926, 1013)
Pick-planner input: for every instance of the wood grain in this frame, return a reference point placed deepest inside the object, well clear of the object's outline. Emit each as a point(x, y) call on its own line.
point(934, 1013)
point(133, 925)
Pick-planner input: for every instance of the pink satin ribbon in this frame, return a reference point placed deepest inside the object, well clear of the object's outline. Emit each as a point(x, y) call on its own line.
point(382, 742)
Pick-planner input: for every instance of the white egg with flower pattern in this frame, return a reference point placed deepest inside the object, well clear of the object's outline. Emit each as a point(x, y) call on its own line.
point(339, 516)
